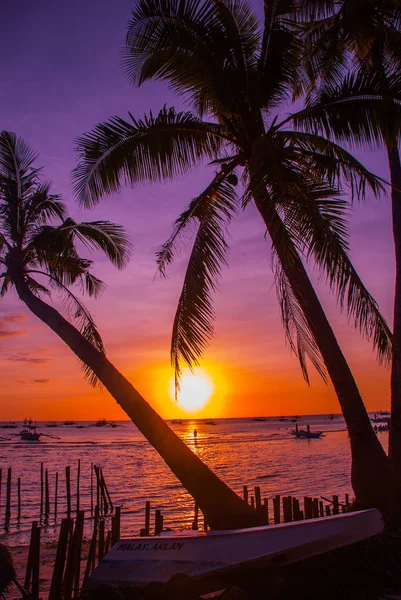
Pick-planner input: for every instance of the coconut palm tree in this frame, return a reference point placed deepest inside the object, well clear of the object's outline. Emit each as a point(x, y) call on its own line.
point(364, 36)
point(214, 55)
point(38, 259)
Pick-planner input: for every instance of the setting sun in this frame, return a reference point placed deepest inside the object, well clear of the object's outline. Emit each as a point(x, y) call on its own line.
point(196, 390)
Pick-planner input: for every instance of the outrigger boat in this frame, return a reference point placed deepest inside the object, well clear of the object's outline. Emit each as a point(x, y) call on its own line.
point(213, 557)
point(28, 432)
point(305, 433)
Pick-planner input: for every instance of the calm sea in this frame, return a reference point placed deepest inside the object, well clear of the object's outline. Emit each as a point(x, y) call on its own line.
point(240, 451)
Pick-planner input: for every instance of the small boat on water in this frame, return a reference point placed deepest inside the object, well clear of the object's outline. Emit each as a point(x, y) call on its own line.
point(209, 422)
point(9, 425)
point(259, 419)
point(213, 557)
point(306, 433)
point(69, 423)
point(28, 433)
point(176, 421)
point(51, 424)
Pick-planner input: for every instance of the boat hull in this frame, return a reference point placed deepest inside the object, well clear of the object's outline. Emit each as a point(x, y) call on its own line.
point(135, 562)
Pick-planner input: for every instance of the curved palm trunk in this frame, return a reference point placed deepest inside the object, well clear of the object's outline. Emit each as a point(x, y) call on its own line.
point(222, 508)
point(395, 431)
point(372, 476)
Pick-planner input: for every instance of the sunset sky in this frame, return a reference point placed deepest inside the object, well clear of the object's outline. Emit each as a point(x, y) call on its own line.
point(60, 75)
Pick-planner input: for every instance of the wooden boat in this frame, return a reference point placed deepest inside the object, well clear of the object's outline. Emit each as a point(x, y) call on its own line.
point(209, 422)
point(9, 425)
point(28, 433)
point(215, 555)
point(51, 424)
point(303, 433)
point(176, 421)
point(259, 419)
point(69, 423)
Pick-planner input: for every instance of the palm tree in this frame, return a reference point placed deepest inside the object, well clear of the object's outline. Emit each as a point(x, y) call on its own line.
point(32, 251)
point(366, 37)
point(213, 54)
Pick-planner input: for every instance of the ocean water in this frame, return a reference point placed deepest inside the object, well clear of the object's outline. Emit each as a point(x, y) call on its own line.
point(240, 451)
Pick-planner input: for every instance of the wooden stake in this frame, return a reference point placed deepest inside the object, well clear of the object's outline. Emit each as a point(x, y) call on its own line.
point(68, 489)
point(91, 554)
point(196, 517)
point(47, 500)
point(258, 502)
point(19, 500)
point(91, 489)
point(107, 544)
point(78, 475)
point(58, 570)
point(101, 540)
point(55, 497)
point(276, 509)
point(41, 489)
point(29, 563)
point(245, 489)
point(147, 518)
point(8, 495)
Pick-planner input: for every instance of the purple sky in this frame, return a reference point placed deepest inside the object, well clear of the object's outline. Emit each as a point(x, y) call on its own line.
point(61, 75)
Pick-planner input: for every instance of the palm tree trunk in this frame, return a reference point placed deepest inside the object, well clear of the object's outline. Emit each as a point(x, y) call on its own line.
point(371, 473)
point(395, 430)
point(222, 508)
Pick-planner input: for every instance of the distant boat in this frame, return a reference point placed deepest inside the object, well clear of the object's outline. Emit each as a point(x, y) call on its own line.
point(259, 419)
point(100, 423)
point(304, 433)
point(79, 426)
point(209, 422)
point(28, 433)
point(176, 421)
point(9, 425)
point(69, 423)
point(51, 424)
point(215, 557)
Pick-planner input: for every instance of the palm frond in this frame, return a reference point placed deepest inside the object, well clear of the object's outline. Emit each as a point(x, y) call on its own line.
point(357, 111)
point(153, 149)
point(298, 333)
point(319, 219)
point(331, 162)
point(108, 237)
point(220, 194)
point(81, 318)
point(193, 322)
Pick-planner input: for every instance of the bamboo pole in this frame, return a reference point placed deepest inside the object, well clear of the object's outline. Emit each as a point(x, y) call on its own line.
point(47, 500)
point(29, 563)
point(8, 495)
point(19, 500)
point(58, 570)
point(103, 492)
point(68, 489)
point(101, 540)
point(36, 564)
point(158, 525)
point(41, 490)
point(107, 543)
point(276, 509)
point(91, 553)
point(117, 525)
point(91, 489)
point(196, 517)
point(78, 476)
point(106, 489)
point(55, 497)
point(147, 518)
point(77, 563)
